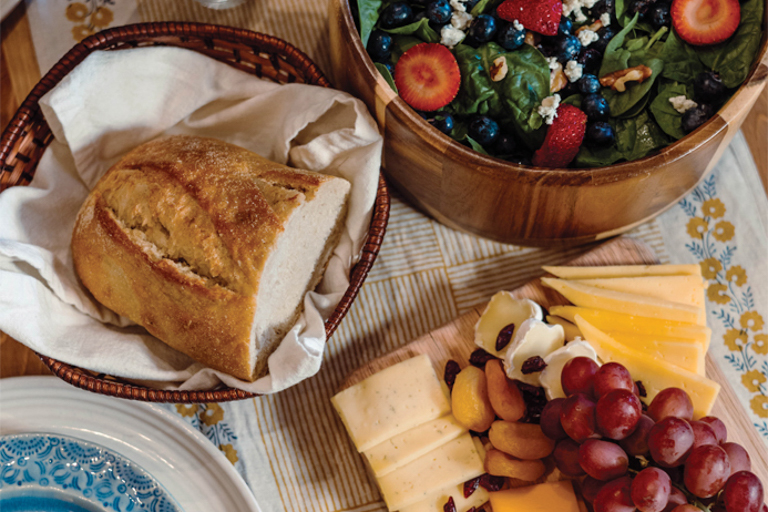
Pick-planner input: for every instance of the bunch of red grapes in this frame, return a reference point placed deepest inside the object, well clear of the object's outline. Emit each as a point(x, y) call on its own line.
point(657, 460)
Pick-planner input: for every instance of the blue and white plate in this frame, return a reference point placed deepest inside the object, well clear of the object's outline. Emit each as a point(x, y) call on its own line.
point(55, 472)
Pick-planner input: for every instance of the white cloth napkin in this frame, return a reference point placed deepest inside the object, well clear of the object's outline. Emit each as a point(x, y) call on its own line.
point(114, 101)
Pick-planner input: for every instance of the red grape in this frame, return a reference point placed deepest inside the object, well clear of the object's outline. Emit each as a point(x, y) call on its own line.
point(650, 490)
point(686, 508)
point(590, 487)
point(566, 456)
point(670, 441)
point(676, 497)
point(738, 457)
point(612, 376)
point(718, 426)
point(550, 420)
point(671, 402)
point(637, 442)
point(615, 496)
point(577, 376)
point(703, 434)
point(743, 492)
point(617, 414)
point(603, 460)
point(578, 417)
point(706, 470)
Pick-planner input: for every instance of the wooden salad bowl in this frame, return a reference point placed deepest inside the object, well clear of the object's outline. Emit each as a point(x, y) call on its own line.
point(531, 206)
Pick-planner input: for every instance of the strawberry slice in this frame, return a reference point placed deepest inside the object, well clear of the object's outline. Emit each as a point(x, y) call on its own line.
point(542, 16)
point(563, 138)
point(427, 76)
point(705, 22)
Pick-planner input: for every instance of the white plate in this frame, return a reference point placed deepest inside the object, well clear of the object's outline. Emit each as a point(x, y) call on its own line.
point(182, 459)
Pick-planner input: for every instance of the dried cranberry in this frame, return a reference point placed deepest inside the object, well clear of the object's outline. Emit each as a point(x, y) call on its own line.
point(479, 357)
point(491, 483)
point(470, 486)
point(641, 389)
point(450, 506)
point(452, 369)
point(504, 337)
point(533, 364)
point(535, 400)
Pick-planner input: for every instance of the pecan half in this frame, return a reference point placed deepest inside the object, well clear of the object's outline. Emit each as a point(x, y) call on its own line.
point(618, 79)
point(594, 27)
point(557, 80)
point(499, 69)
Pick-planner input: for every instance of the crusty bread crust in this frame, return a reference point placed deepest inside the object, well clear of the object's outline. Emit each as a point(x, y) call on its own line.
point(175, 237)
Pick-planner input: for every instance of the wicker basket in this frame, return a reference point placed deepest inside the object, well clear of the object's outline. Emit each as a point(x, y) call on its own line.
point(25, 138)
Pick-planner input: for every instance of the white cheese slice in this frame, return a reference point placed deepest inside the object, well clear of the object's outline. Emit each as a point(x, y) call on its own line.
point(403, 448)
point(533, 338)
point(436, 502)
point(503, 309)
point(451, 464)
point(391, 401)
point(550, 376)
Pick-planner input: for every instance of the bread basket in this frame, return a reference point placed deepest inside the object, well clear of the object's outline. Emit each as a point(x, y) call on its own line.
point(27, 135)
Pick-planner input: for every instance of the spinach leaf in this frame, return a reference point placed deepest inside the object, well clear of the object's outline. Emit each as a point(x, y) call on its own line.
point(368, 15)
point(616, 57)
point(401, 44)
point(477, 94)
point(624, 16)
point(420, 29)
point(597, 156)
point(639, 106)
point(621, 102)
point(474, 145)
point(669, 119)
point(386, 74)
point(573, 99)
point(645, 134)
point(681, 61)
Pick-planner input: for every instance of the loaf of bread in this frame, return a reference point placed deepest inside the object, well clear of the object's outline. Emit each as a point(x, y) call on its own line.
point(208, 246)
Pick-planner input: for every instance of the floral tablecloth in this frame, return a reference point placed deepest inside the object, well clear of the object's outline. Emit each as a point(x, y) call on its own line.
point(291, 448)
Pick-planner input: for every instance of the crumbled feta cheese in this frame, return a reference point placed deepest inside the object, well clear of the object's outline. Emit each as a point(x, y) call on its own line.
point(553, 64)
point(450, 36)
point(588, 3)
point(605, 19)
point(573, 70)
point(518, 25)
point(460, 20)
point(548, 108)
point(682, 104)
point(587, 37)
point(499, 69)
point(574, 7)
point(458, 5)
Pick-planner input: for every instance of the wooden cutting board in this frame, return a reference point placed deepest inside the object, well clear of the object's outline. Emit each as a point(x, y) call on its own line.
point(456, 341)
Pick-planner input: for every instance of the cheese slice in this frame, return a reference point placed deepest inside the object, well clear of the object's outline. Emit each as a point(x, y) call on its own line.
point(598, 298)
point(451, 464)
point(624, 271)
point(403, 448)
point(436, 502)
point(655, 374)
point(571, 331)
point(391, 401)
point(679, 352)
point(546, 497)
point(611, 321)
point(683, 289)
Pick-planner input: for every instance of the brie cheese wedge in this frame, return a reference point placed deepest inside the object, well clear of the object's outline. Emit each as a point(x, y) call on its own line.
point(550, 376)
point(503, 310)
point(533, 338)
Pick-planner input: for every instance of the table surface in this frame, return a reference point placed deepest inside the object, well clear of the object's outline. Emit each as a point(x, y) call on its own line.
point(19, 73)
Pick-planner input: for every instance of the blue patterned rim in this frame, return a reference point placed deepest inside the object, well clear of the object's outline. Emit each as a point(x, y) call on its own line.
point(31, 464)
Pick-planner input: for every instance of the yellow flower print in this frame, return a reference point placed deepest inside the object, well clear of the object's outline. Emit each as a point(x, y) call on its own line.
point(723, 231)
point(102, 17)
point(713, 208)
point(80, 32)
point(77, 12)
point(187, 410)
point(715, 293)
point(752, 380)
point(229, 452)
point(751, 320)
point(736, 275)
point(710, 267)
point(761, 344)
point(759, 405)
point(212, 415)
point(697, 227)
point(732, 338)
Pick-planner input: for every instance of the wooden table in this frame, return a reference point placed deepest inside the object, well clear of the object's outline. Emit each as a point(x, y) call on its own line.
point(19, 73)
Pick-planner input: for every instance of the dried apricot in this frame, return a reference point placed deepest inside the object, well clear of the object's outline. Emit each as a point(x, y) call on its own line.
point(469, 400)
point(521, 440)
point(506, 399)
point(498, 463)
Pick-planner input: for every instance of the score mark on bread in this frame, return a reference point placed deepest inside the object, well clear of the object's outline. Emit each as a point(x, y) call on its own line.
point(209, 246)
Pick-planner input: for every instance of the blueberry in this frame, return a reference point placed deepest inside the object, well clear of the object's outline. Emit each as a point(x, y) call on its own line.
point(708, 87)
point(605, 34)
point(567, 48)
point(600, 8)
point(696, 116)
point(505, 145)
point(595, 107)
point(591, 60)
point(509, 37)
point(600, 133)
point(482, 29)
point(483, 130)
point(379, 46)
point(588, 84)
point(660, 16)
point(643, 7)
point(390, 67)
point(565, 27)
point(439, 12)
point(396, 15)
point(443, 121)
